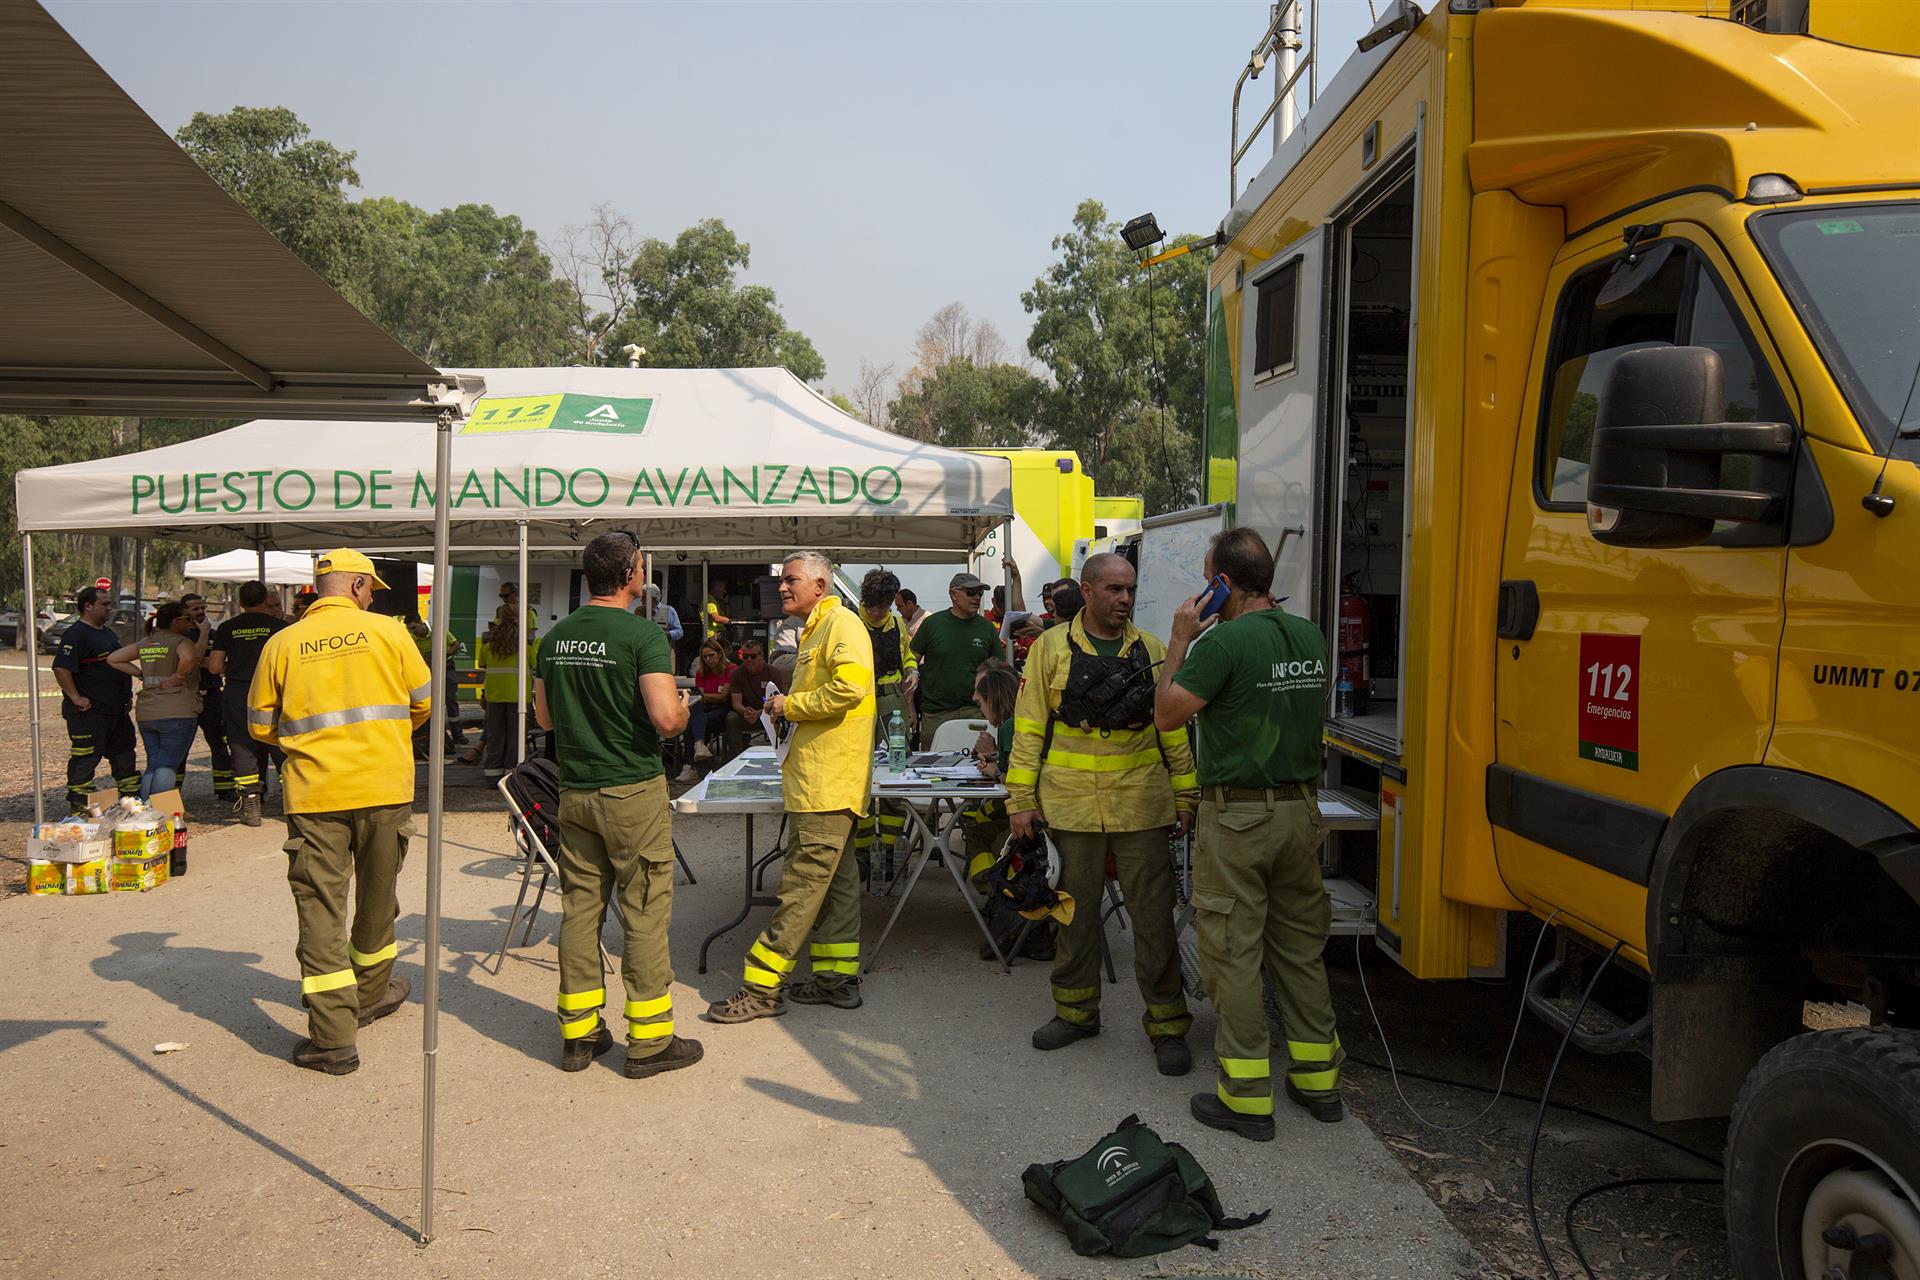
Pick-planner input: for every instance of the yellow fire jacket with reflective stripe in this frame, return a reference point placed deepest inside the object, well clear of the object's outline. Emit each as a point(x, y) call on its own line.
point(341, 691)
point(1093, 780)
point(830, 761)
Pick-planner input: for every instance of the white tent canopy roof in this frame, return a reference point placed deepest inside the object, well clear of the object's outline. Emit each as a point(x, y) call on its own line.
point(688, 459)
point(284, 568)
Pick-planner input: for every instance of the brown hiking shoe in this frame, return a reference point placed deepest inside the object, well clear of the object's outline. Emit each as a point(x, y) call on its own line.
point(745, 1005)
point(841, 995)
point(578, 1055)
point(398, 989)
point(333, 1062)
point(678, 1053)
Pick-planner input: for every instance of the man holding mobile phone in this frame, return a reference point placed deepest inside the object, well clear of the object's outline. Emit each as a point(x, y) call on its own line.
point(1258, 684)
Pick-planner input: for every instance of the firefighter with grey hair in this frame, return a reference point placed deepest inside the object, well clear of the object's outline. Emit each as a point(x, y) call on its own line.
point(827, 780)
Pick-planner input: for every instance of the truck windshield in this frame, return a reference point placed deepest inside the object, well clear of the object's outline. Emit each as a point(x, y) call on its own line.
point(1853, 272)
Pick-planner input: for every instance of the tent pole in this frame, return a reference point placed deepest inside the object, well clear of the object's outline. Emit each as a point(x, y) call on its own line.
point(526, 690)
point(29, 615)
point(705, 592)
point(436, 795)
point(260, 553)
point(1006, 552)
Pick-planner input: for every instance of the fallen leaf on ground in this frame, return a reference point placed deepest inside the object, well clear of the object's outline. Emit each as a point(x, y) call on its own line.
point(169, 1046)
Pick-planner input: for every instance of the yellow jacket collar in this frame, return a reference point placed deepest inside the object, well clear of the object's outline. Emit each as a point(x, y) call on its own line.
point(329, 602)
point(827, 605)
point(1077, 635)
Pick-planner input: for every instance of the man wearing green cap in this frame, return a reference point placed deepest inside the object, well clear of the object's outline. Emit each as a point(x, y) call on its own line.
point(340, 692)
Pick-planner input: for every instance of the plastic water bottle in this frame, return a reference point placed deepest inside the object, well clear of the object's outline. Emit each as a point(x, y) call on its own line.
point(896, 744)
point(1343, 698)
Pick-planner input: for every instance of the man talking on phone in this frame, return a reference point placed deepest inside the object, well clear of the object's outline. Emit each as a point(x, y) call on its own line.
point(1257, 681)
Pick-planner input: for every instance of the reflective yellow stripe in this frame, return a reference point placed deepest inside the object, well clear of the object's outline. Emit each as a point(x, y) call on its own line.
point(1074, 995)
point(1073, 1013)
point(1122, 736)
point(761, 978)
point(1101, 764)
point(327, 982)
point(1247, 1068)
point(1185, 781)
point(851, 968)
point(1262, 1106)
point(1175, 738)
point(366, 960)
point(767, 956)
point(580, 1026)
point(980, 862)
point(1315, 1081)
point(1022, 777)
point(1307, 1051)
point(649, 1030)
point(1033, 727)
point(573, 1000)
point(836, 949)
point(851, 671)
point(649, 1008)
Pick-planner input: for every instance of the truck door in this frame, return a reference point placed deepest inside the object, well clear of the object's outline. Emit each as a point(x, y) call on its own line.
point(1282, 341)
point(1625, 675)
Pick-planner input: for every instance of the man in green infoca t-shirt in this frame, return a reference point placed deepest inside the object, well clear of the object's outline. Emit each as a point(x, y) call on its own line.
point(604, 685)
point(1257, 681)
point(951, 645)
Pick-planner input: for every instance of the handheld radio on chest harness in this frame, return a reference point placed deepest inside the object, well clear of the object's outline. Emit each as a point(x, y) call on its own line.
point(1108, 693)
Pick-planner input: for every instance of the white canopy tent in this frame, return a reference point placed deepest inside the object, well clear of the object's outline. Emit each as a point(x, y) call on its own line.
point(275, 568)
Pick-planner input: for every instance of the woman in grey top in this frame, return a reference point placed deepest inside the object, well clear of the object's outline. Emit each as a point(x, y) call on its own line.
point(167, 709)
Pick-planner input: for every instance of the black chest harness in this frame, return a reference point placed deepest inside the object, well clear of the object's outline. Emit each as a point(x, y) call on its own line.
point(886, 652)
point(1108, 693)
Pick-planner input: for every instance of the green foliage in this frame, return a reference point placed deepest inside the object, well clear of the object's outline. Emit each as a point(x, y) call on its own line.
point(963, 406)
point(1122, 345)
point(690, 312)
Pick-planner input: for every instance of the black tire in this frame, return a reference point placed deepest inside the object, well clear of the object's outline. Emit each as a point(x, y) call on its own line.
point(1823, 1114)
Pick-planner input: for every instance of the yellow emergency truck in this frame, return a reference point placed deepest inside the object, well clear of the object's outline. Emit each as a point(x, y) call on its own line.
point(1566, 352)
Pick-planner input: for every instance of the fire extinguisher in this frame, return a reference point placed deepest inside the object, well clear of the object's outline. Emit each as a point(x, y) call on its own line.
point(1355, 639)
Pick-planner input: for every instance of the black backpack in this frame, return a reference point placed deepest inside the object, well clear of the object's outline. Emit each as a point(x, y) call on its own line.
point(535, 788)
point(1132, 1194)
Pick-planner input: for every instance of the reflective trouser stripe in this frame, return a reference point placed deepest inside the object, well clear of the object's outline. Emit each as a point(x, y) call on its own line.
point(313, 984)
point(584, 1026)
point(837, 957)
point(574, 1001)
point(1247, 1068)
point(246, 779)
point(130, 786)
point(1077, 1004)
point(1315, 1067)
point(980, 863)
point(368, 959)
point(1168, 1019)
point(1259, 1106)
point(776, 970)
point(650, 1019)
point(760, 977)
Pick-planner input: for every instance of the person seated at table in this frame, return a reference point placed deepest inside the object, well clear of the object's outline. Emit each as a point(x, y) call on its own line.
point(712, 680)
point(746, 689)
point(984, 828)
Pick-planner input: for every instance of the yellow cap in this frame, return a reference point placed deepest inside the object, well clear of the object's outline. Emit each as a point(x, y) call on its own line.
point(346, 560)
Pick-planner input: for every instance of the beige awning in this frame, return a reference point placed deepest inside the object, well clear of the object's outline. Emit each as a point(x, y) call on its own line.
point(130, 283)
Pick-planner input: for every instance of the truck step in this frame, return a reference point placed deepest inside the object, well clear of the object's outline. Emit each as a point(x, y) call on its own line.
point(1344, 809)
point(1600, 1030)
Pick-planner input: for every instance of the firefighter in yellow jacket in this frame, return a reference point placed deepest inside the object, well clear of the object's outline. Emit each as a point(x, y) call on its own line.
point(1088, 763)
point(827, 780)
point(340, 692)
point(896, 672)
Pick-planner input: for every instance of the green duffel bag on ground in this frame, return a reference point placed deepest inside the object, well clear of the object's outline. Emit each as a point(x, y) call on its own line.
point(1132, 1194)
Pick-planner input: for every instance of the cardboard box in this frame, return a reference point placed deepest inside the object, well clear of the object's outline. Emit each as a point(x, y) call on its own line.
point(167, 803)
point(44, 875)
point(104, 799)
point(40, 850)
point(137, 875)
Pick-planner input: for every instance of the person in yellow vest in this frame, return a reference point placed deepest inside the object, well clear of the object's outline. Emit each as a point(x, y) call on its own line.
point(500, 692)
point(896, 674)
point(340, 692)
point(827, 780)
point(1088, 760)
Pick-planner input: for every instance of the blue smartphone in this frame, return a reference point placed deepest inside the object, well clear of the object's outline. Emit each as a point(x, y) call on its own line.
point(1214, 597)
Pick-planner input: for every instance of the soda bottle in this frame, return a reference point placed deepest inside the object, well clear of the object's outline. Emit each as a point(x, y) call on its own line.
point(177, 863)
point(896, 744)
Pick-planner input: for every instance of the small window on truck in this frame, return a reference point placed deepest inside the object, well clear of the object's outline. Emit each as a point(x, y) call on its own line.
point(1276, 328)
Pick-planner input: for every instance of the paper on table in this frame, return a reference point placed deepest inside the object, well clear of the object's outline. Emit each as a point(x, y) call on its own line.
point(766, 722)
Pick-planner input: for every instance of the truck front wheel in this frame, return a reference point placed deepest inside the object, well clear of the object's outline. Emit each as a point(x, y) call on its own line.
point(1823, 1159)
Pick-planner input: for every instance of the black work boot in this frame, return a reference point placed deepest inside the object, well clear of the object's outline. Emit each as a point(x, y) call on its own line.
point(1325, 1110)
point(1060, 1033)
point(841, 995)
point(678, 1053)
point(250, 810)
point(1215, 1114)
point(1171, 1055)
point(334, 1062)
point(745, 1005)
point(398, 989)
point(578, 1054)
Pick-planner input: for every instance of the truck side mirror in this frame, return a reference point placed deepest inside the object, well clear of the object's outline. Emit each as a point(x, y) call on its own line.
point(1658, 450)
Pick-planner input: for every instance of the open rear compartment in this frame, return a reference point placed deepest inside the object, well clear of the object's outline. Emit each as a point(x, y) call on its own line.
point(1364, 545)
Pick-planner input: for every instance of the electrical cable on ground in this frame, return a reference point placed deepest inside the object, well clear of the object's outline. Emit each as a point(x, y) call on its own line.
point(1617, 1185)
point(1540, 1116)
point(1512, 1040)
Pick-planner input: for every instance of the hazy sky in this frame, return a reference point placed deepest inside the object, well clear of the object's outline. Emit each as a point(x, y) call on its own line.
point(881, 159)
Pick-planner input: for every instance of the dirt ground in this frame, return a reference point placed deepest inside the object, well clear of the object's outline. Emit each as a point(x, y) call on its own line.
point(959, 1159)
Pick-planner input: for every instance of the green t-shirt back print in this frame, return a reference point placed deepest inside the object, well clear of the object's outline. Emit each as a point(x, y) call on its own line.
point(591, 664)
point(1264, 676)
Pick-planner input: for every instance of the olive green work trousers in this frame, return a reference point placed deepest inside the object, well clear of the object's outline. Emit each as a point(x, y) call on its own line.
point(345, 972)
point(617, 842)
point(819, 896)
point(1145, 870)
point(1260, 906)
